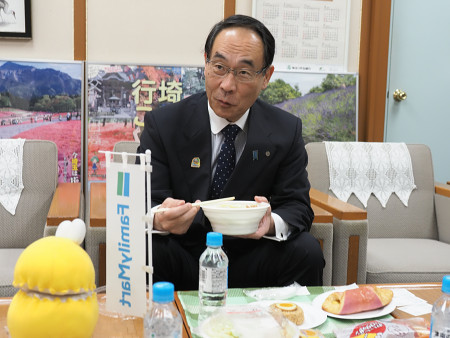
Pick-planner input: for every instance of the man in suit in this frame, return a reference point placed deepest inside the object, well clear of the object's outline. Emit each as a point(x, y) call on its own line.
point(185, 139)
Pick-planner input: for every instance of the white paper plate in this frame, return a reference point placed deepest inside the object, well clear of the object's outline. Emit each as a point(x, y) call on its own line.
point(318, 301)
point(313, 316)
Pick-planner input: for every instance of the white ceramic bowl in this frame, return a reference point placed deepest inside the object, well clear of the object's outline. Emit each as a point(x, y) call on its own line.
point(235, 217)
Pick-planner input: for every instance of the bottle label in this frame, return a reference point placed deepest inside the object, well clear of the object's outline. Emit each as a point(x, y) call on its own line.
point(440, 334)
point(213, 280)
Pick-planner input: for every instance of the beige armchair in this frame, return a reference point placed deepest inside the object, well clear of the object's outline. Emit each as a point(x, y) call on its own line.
point(42, 206)
point(404, 244)
point(322, 229)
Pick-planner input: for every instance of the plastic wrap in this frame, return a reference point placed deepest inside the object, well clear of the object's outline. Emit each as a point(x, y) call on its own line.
point(246, 321)
point(284, 292)
point(415, 327)
point(310, 334)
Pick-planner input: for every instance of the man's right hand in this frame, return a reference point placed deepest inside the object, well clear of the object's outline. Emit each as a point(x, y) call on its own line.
point(178, 219)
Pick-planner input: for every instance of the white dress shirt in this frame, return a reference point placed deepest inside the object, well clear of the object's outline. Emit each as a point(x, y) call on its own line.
point(282, 229)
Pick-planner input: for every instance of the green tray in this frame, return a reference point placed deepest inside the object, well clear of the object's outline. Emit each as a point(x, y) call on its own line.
point(190, 302)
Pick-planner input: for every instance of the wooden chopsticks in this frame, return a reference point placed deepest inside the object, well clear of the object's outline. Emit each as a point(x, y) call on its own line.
point(199, 204)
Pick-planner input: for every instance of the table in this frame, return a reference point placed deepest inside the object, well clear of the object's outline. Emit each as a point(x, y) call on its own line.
point(112, 327)
point(429, 292)
point(106, 326)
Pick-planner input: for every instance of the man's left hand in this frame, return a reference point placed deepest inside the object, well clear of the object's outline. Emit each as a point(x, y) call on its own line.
point(266, 226)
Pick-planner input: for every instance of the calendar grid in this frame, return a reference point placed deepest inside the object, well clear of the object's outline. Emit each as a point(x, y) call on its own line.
point(311, 34)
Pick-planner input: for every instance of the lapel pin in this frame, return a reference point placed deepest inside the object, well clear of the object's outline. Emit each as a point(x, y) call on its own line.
point(195, 163)
point(255, 155)
point(267, 153)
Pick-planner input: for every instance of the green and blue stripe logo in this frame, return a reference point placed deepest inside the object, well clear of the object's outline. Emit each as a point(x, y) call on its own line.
point(123, 184)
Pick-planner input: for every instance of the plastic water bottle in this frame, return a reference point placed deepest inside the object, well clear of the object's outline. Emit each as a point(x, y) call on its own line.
point(163, 319)
point(213, 276)
point(440, 317)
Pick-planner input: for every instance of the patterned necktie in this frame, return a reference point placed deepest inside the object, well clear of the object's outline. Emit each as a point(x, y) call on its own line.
point(225, 161)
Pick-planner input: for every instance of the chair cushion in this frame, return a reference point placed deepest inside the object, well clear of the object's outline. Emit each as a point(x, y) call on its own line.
point(40, 175)
point(8, 257)
point(400, 260)
point(127, 147)
point(418, 218)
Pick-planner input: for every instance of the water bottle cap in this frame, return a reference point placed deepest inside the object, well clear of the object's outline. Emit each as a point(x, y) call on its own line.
point(214, 239)
point(446, 284)
point(163, 292)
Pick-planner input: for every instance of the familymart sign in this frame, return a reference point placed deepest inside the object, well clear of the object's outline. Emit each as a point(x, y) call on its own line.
point(125, 239)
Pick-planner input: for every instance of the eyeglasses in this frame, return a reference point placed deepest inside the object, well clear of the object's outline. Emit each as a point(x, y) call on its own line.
point(240, 74)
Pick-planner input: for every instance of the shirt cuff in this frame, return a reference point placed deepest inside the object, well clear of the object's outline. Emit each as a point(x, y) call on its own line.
point(158, 232)
point(282, 229)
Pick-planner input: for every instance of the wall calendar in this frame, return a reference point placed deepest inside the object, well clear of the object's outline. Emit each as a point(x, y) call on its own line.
point(310, 35)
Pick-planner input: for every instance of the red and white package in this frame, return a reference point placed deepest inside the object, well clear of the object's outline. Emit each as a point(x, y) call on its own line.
point(416, 327)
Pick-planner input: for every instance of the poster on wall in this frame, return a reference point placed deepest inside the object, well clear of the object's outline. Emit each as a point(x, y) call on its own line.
point(15, 19)
point(311, 35)
point(326, 102)
point(43, 101)
point(118, 96)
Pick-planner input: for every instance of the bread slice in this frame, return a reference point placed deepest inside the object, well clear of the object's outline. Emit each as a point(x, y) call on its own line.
point(291, 311)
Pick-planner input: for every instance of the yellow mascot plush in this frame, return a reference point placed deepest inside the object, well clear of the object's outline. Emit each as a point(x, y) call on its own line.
point(56, 281)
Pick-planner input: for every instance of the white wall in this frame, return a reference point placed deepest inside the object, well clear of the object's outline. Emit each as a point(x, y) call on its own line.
point(52, 33)
point(354, 35)
point(140, 31)
point(173, 32)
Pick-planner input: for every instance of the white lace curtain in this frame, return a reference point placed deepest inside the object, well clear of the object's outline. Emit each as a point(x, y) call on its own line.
point(365, 168)
point(11, 163)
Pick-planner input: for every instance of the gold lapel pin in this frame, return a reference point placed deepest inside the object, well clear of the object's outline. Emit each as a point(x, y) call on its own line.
point(195, 163)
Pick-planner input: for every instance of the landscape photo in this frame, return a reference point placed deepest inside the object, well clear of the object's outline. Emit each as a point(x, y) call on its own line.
point(118, 96)
point(43, 101)
point(326, 103)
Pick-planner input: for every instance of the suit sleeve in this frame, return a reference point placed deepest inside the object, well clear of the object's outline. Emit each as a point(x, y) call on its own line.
point(290, 192)
point(160, 177)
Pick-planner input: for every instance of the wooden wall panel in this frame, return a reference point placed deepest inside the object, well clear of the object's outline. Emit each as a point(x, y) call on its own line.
point(373, 67)
point(229, 8)
point(79, 30)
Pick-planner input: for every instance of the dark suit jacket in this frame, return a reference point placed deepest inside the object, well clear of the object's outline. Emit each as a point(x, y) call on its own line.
point(180, 132)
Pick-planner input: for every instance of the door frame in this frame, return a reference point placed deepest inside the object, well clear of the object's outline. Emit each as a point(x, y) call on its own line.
point(373, 69)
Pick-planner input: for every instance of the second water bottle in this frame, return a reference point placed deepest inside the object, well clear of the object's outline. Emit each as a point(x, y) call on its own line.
point(213, 276)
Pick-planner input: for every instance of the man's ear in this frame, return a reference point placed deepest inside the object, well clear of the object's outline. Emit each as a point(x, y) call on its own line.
point(267, 76)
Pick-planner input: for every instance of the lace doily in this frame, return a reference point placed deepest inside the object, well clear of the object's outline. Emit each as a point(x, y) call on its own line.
point(11, 163)
point(366, 168)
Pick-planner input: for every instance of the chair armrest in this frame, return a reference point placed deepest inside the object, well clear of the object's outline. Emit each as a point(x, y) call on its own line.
point(339, 209)
point(442, 189)
point(321, 215)
point(442, 201)
point(96, 230)
point(66, 204)
point(97, 204)
point(350, 234)
point(322, 230)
